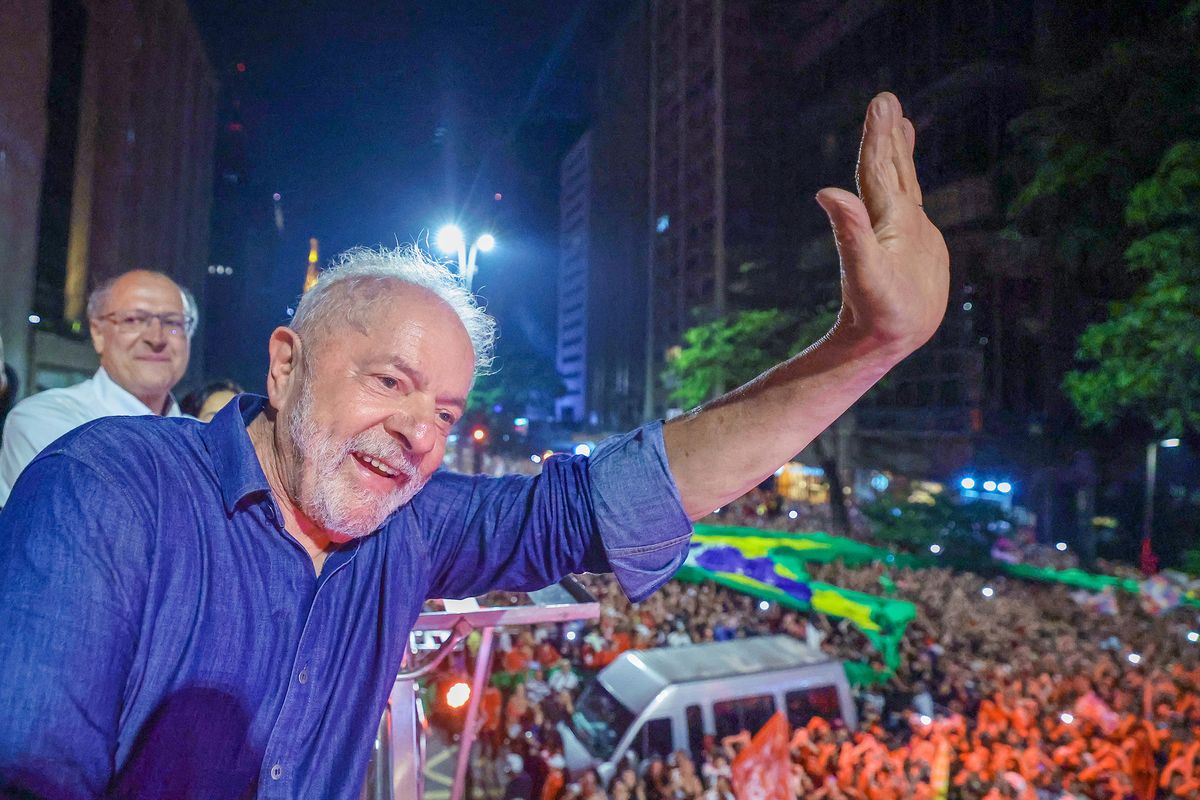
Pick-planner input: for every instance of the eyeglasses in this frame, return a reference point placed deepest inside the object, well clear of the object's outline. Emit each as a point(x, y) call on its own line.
point(139, 321)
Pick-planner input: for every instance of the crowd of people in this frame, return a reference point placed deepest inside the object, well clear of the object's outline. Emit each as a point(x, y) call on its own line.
point(1011, 689)
point(1022, 693)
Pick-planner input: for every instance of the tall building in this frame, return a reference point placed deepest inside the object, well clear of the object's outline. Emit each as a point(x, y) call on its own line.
point(573, 272)
point(757, 105)
point(754, 105)
point(111, 139)
point(604, 244)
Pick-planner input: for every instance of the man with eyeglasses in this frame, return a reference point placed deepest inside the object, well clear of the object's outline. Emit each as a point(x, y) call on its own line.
point(141, 326)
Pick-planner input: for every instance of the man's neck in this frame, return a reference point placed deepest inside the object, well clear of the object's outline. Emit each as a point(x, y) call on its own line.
point(315, 540)
point(160, 404)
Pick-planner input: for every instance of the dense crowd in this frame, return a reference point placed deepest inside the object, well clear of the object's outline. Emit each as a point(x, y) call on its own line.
point(1026, 694)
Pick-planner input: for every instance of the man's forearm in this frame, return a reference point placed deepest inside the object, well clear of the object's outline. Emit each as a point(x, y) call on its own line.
point(727, 447)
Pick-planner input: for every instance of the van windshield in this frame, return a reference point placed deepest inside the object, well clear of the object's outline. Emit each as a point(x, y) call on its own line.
point(600, 720)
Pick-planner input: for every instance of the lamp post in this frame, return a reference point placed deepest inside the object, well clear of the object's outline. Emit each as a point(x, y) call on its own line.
point(1149, 562)
point(451, 240)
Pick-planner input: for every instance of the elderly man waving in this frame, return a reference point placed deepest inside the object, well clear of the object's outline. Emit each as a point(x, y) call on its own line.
point(220, 611)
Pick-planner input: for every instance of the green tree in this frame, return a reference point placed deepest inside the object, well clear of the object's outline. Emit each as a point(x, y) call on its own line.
point(1145, 357)
point(1100, 127)
point(964, 531)
point(727, 352)
point(521, 380)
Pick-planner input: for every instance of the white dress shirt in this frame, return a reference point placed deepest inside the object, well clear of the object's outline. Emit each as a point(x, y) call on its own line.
point(39, 419)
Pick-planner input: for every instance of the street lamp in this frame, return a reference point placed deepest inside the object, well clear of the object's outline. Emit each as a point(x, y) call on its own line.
point(451, 241)
point(1149, 561)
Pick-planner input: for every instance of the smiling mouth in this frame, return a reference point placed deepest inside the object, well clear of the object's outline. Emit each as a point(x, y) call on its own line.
point(380, 468)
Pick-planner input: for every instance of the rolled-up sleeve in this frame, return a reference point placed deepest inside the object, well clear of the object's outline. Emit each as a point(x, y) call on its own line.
point(641, 521)
point(617, 511)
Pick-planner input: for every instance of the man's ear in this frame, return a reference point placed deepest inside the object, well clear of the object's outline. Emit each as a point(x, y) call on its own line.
point(97, 331)
point(285, 372)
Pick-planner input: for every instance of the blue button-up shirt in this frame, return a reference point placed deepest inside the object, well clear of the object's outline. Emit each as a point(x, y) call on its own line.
point(163, 636)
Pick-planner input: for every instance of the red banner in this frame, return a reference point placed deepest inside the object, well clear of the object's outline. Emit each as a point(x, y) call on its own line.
point(763, 770)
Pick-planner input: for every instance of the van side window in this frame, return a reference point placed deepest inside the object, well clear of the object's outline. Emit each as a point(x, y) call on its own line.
point(819, 701)
point(744, 714)
point(695, 726)
point(654, 739)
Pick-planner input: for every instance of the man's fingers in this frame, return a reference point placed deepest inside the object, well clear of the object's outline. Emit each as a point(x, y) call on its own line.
point(877, 177)
point(851, 224)
point(902, 160)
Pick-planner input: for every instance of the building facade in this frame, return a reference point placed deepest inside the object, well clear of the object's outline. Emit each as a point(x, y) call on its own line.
point(571, 351)
point(604, 244)
point(115, 108)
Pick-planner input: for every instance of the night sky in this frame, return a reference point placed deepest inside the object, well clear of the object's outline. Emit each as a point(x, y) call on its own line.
point(377, 122)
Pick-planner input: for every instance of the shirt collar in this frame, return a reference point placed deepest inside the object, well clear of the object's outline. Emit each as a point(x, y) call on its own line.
point(228, 442)
point(113, 395)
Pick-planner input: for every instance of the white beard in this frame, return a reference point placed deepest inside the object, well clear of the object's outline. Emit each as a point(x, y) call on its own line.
point(325, 494)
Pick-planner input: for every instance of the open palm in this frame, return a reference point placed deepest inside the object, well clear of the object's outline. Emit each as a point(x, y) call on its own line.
point(895, 270)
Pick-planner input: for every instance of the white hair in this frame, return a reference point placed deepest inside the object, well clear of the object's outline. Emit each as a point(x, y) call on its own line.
point(346, 291)
point(98, 299)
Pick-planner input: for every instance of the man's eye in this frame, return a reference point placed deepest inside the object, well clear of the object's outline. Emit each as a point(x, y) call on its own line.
point(446, 417)
point(388, 382)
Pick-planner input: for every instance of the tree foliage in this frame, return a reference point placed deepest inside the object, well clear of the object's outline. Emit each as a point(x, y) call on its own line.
point(1108, 179)
point(733, 350)
point(964, 531)
point(521, 379)
point(1144, 359)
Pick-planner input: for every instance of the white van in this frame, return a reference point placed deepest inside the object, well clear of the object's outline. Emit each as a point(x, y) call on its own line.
point(654, 702)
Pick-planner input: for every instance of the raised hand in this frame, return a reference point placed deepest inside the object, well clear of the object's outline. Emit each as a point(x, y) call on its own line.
point(895, 282)
point(895, 269)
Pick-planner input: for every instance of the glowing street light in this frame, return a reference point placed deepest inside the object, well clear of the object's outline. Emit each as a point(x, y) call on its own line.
point(451, 240)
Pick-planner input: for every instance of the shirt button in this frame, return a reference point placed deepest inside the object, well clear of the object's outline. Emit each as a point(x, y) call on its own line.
point(303, 676)
point(276, 772)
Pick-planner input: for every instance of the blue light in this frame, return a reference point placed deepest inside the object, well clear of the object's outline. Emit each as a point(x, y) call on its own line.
point(967, 483)
point(1004, 487)
point(989, 486)
point(663, 223)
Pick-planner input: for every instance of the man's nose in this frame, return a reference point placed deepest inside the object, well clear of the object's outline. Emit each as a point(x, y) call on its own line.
point(155, 333)
point(417, 435)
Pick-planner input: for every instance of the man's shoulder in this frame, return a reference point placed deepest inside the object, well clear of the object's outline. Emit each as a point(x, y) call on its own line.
point(116, 441)
point(54, 407)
